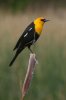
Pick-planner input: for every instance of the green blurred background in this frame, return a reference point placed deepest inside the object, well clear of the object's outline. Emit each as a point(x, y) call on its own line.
point(49, 79)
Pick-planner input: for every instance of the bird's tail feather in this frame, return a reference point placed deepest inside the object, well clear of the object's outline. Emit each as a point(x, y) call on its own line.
point(13, 59)
point(17, 53)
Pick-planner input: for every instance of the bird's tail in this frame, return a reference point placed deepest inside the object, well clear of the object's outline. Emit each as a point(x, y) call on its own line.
point(13, 59)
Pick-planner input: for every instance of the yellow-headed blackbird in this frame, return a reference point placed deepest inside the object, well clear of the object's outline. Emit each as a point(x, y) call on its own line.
point(29, 36)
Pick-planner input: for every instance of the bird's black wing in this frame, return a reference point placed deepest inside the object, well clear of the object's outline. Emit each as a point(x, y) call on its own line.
point(27, 36)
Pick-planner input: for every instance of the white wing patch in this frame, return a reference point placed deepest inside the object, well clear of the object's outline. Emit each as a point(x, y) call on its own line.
point(25, 34)
point(30, 29)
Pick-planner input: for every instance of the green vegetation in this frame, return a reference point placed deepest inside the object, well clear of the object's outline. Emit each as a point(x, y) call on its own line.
point(22, 4)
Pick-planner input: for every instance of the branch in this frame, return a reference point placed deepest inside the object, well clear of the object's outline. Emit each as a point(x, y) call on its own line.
point(29, 74)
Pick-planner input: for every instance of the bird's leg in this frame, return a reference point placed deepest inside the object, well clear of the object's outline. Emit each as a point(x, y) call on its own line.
point(30, 49)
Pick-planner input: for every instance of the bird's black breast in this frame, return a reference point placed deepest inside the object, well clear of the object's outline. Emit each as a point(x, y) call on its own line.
point(36, 36)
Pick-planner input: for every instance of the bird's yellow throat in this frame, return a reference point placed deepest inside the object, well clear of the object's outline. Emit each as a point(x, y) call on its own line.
point(38, 25)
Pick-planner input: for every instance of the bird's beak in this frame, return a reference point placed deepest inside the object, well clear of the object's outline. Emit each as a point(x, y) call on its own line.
point(45, 20)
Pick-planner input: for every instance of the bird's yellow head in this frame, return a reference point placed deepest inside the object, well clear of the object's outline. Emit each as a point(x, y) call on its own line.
point(39, 22)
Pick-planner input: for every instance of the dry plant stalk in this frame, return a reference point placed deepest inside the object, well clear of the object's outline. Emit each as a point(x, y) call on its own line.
point(29, 74)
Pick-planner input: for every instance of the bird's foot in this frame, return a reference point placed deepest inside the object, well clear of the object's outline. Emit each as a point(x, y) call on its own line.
point(30, 50)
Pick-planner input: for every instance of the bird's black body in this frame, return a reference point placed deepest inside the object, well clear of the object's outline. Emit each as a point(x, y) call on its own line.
point(28, 37)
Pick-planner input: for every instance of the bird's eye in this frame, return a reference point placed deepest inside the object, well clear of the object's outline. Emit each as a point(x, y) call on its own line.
point(42, 20)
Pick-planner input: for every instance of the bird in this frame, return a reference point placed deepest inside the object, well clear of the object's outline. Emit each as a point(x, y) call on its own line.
point(29, 36)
